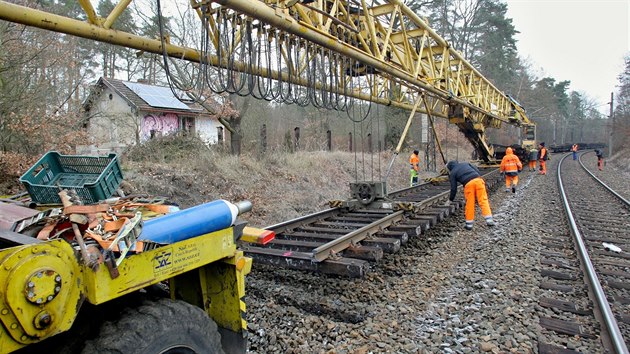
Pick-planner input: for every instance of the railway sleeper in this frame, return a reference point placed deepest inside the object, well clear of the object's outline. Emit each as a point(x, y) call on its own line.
point(320, 238)
point(432, 218)
point(563, 288)
point(622, 299)
point(615, 273)
point(398, 235)
point(348, 267)
point(564, 327)
point(606, 253)
point(388, 245)
point(410, 229)
point(369, 213)
point(348, 218)
point(328, 230)
point(440, 213)
point(554, 254)
point(554, 245)
point(308, 241)
point(424, 223)
point(544, 348)
point(557, 275)
point(562, 305)
point(368, 253)
point(557, 263)
point(340, 225)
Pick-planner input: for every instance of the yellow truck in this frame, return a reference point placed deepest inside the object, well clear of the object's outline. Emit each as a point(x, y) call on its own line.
point(177, 296)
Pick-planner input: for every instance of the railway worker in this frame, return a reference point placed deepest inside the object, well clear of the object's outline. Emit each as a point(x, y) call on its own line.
point(474, 187)
point(533, 156)
point(543, 156)
point(414, 163)
point(510, 166)
point(600, 159)
point(574, 149)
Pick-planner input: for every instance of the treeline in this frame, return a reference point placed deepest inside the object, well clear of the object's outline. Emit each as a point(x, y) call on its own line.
point(44, 77)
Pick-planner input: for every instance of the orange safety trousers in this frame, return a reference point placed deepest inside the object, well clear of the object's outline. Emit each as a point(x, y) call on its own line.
point(532, 165)
point(476, 188)
point(509, 180)
point(543, 167)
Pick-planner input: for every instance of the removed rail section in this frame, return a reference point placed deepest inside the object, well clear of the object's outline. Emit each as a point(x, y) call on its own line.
point(344, 240)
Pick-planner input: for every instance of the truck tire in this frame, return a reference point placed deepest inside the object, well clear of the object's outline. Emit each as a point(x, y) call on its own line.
point(162, 326)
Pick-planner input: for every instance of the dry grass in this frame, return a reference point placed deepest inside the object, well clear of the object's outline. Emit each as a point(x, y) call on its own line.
point(621, 161)
point(280, 185)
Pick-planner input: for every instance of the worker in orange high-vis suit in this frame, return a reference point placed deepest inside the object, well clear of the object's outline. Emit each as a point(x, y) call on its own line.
point(511, 166)
point(474, 187)
point(600, 159)
point(574, 150)
point(543, 156)
point(414, 163)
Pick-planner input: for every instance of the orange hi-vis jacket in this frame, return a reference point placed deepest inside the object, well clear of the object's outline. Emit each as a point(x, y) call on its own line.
point(574, 148)
point(543, 154)
point(510, 162)
point(414, 161)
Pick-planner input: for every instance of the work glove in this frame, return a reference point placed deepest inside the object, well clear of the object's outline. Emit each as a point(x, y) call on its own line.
point(447, 203)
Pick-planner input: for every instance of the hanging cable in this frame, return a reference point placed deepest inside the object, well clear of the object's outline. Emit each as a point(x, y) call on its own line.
point(354, 134)
point(378, 129)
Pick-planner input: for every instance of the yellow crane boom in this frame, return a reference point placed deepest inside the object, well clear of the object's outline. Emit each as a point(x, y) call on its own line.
point(397, 55)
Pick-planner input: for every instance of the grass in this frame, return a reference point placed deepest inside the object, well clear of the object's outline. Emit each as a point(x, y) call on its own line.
point(280, 185)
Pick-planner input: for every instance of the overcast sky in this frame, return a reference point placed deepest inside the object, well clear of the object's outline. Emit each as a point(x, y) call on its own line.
point(583, 41)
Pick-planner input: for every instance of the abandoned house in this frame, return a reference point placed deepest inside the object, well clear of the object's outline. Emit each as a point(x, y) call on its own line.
point(121, 113)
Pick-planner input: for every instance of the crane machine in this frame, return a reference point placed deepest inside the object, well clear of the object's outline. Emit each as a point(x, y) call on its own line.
point(335, 54)
point(326, 53)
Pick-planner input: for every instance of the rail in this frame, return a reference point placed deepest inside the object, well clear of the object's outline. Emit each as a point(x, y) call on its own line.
point(594, 283)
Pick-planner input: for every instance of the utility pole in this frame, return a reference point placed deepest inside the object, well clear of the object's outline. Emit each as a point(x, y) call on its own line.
point(612, 126)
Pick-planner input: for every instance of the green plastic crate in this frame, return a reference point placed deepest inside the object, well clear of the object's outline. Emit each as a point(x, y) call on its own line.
point(94, 178)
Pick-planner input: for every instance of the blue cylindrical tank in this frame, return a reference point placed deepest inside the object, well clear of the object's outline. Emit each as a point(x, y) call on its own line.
point(192, 222)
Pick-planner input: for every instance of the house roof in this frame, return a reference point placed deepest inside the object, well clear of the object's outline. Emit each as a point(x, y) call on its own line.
point(135, 99)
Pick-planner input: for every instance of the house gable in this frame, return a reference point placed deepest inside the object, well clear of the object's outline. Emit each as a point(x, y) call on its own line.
point(118, 117)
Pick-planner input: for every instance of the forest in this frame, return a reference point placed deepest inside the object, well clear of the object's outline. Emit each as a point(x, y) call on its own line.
point(46, 76)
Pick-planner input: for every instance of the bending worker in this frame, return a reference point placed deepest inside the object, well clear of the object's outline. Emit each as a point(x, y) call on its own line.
point(600, 159)
point(574, 149)
point(510, 166)
point(533, 156)
point(414, 162)
point(474, 187)
point(543, 156)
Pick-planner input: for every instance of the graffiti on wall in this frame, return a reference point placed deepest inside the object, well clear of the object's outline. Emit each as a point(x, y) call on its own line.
point(159, 125)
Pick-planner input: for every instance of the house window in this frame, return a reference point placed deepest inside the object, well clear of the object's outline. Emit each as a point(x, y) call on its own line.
point(187, 125)
point(219, 134)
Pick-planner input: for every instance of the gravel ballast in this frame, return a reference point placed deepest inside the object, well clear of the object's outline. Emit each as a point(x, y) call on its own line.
point(447, 291)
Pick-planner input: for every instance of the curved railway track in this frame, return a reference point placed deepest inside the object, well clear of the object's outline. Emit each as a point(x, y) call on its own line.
point(345, 239)
point(594, 253)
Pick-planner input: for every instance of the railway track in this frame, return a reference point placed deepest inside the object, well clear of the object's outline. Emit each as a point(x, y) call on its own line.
point(594, 254)
point(344, 240)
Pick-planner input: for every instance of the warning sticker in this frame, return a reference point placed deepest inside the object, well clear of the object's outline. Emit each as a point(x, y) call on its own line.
point(173, 259)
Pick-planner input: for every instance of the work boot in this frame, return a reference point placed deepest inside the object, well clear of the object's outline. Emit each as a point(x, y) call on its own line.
point(469, 225)
point(513, 189)
point(490, 221)
point(507, 190)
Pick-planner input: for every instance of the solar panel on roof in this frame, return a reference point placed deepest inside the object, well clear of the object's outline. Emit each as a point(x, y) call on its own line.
point(156, 96)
